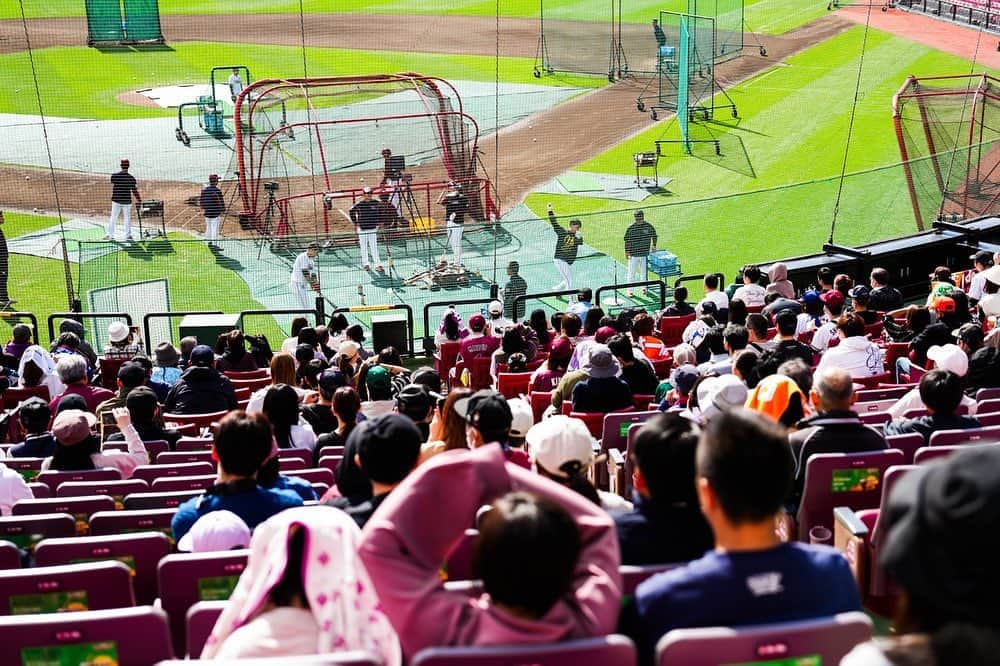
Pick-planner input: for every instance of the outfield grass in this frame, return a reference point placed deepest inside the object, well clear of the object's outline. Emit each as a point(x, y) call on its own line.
point(773, 16)
point(66, 93)
point(793, 129)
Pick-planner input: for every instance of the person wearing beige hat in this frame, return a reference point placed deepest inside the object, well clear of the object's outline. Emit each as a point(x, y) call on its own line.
point(216, 531)
point(78, 448)
point(563, 451)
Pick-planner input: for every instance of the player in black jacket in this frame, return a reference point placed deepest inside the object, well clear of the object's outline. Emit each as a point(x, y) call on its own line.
point(567, 245)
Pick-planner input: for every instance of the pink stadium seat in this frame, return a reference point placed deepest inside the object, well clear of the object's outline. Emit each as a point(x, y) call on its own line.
point(26, 531)
point(603, 651)
point(833, 480)
point(193, 444)
point(141, 552)
point(928, 454)
point(150, 472)
point(331, 451)
point(893, 393)
point(29, 468)
point(314, 475)
point(158, 500)
point(116, 489)
point(53, 478)
point(988, 406)
point(671, 329)
point(988, 420)
point(458, 564)
point(872, 406)
point(153, 447)
point(200, 621)
point(303, 455)
point(81, 508)
point(10, 556)
point(875, 418)
point(187, 578)
point(88, 586)
point(127, 522)
point(199, 421)
point(540, 401)
point(513, 384)
point(633, 575)
point(138, 635)
point(829, 639)
point(908, 444)
point(987, 394)
point(974, 435)
point(614, 435)
point(170, 484)
point(331, 463)
point(352, 658)
point(180, 457)
point(289, 465)
point(40, 490)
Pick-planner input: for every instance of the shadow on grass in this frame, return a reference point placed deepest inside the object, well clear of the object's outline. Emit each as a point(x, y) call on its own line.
point(133, 48)
point(146, 250)
point(222, 260)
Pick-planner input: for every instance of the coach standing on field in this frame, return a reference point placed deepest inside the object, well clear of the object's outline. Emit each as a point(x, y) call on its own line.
point(123, 186)
point(567, 244)
point(640, 240)
point(213, 204)
point(366, 216)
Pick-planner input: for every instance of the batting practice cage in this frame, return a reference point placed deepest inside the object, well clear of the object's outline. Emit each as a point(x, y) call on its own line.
point(307, 148)
point(606, 44)
point(948, 128)
point(123, 22)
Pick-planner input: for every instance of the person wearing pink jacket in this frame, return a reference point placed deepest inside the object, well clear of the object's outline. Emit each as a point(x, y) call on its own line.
point(548, 557)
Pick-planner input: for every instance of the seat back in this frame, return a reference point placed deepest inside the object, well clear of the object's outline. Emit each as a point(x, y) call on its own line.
point(126, 522)
point(973, 435)
point(40, 490)
point(187, 578)
point(246, 374)
point(614, 430)
point(182, 457)
point(108, 371)
point(444, 358)
point(894, 393)
point(981, 395)
point(150, 472)
point(141, 552)
point(193, 444)
point(331, 463)
point(988, 420)
point(540, 401)
point(873, 381)
point(72, 587)
point(200, 621)
point(593, 420)
point(81, 508)
point(314, 475)
point(988, 406)
point(513, 384)
point(632, 575)
point(252, 383)
point(892, 476)
point(10, 556)
point(303, 455)
point(613, 649)
point(26, 531)
point(154, 447)
point(349, 658)
point(28, 468)
point(158, 500)
point(119, 636)
point(113, 489)
point(826, 639)
point(53, 478)
point(671, 328)
point(928, 454)
point(479, 373)
point(205, 420)
point(872, 406)
point(907, 443)
point(458, 564)
point(11, 398)
point(169, 484)
point(853, 480)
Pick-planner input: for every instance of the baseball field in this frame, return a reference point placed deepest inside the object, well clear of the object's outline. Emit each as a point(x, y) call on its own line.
point(769, 192)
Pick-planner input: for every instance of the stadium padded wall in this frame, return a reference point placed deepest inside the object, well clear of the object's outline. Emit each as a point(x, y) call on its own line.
point(120, 22)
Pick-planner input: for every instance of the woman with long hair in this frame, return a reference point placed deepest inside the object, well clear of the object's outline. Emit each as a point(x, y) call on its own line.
point(539, 323)
point(282, 372)
point(234, 355)
point(281, 407)
point(737, 312)
point(447, 428)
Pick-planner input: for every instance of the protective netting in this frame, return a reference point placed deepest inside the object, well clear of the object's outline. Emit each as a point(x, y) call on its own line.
point(300, 143)
point(685, 70)
point(954, 123)
point(728, 15)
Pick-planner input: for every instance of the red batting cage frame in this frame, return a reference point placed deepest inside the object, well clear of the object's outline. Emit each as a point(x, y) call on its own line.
point(948, 129)
point(306, 148)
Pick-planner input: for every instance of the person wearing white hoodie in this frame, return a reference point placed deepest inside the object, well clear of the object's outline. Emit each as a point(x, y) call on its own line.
point(855, 353)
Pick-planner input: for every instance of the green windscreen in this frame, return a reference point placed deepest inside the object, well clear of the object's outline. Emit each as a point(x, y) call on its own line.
point(142, 19)
point(104, 21)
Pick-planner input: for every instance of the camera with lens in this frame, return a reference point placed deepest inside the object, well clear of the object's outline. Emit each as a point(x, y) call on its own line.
point(271, 186)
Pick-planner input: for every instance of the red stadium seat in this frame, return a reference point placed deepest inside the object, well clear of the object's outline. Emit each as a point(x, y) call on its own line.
point(207, 420)
point(540, 401)
point(150, 472)
point(10, 556)
point(247, 374)
point(613, 649)
point(200, 621)
point(671, 328)
point(445, 356)
point(513, 384)
point(170, 484)
point(53, 478)
point(181, 457)
point(127, 522)
point(141, 501)
point(87, 586)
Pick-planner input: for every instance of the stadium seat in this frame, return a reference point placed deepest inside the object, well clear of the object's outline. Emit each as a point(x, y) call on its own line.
point(826, 640)
point(193, 444)
point(199, 421)
point(150, 472)
point(136, 636)
point(170, 500)
point(671, 328)
point(595, 420)
point(927, 454)
point(81, 508)
point(479, 373)
point(540, 401)
point(253, 383)
point(153, 448)
point(331, 463)
point(246, 374)
point(40, 490)
point(893, 393)
point(873, 381)
point(513, 384)
point(331, 451)
point(458, 564)
point(987, 394)
point(988, 420)
point(833, 480)
point(180, 457)
point(10, 556)
point(200, 621)
point(184, 579)
point(53, 478)
point(314, 475)
point(126, 522)
point(988, 406)
point(289, 465)
point(141, 552)
point(858, 535)
point(632, 575)
point(170, 484)
point(29, 468)
point(108, 371)
point(445, 356)
point(874, 331)
point(613, 649)
point(117, 489)
point(614, 435)
point(305, 455)
point(875, 418)
point(86, 586)
point(26, 531)
point(350, 658)
point(973, 435)
point(662, 367)
point(908, 444)
point(873, 406)
point(11, 398)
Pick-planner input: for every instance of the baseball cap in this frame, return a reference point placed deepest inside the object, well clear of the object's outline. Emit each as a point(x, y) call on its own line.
point(496, 307)
point(943, 304)
point(683, 378)
point(71, 401)
point(833, 298)
point(72, 426)
point(561, 347)
point(562, 445)
point(124, 163)
point(216, 531)
point(485, 410)
point(970, 334)
point(949, 357)
point(773, 395)
point(811, 296)
point(131, 374)
point(601, 362)
point(477, 322)
point(992, 275)
point(332, 379)
point(213, 177)
point(117, 331)
point(604, 333)
point(983, 257)
point(942, 535)
point(416, 398)
point(638, 215)
point(522, 417)
point(720, 394)
point(202, 355)
point(33, 404)
point(860, 292)
point(378, 378)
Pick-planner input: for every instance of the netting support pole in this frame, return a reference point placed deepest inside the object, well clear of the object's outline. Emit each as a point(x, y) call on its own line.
point(931, 147)
point(904, 155)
